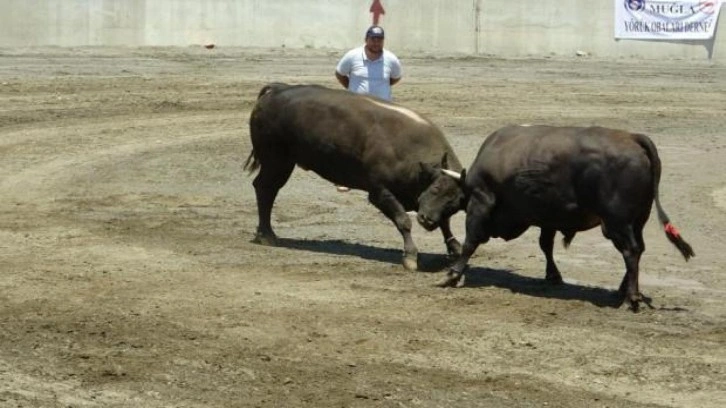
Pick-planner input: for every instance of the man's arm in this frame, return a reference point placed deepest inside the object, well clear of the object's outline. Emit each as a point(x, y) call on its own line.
point(396, 70)
point(344, 80)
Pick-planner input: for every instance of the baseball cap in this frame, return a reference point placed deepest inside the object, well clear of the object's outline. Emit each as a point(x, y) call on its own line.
point(375, 31)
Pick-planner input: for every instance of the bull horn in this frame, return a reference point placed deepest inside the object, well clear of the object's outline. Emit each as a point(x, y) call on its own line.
point(451, 173)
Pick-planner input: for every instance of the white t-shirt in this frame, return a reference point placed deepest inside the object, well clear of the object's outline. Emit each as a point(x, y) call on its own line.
point(367, 76)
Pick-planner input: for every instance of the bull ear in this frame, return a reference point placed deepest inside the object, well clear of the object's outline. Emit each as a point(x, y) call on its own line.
point(462, 180)
point(445, 160)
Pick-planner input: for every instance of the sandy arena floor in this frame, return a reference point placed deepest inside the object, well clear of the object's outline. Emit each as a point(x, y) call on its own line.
point(127, 276)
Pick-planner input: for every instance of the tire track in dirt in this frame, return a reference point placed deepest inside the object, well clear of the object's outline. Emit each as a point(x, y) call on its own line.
point(32, 183)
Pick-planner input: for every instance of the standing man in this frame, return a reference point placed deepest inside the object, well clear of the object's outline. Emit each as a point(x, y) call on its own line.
point(370, 69)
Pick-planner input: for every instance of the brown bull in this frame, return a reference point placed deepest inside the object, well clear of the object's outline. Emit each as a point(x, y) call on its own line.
point(352, 140)
point(565, 179)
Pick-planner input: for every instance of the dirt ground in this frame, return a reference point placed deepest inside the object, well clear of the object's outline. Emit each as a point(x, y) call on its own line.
point(128, 279)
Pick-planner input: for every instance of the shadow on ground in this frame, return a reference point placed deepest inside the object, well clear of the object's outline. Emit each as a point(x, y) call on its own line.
point(476, 277)
point(506, 279)
point(427, 262)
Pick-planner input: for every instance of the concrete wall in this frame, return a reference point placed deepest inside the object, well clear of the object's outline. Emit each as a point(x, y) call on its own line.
point(497, 27)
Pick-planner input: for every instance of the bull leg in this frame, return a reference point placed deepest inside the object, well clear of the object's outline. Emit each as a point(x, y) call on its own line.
point(546, 244)
point(630, 245)
point(453, 247)
point(456, 276)
point(477, 217)
point(386, 202)
point(267, 184)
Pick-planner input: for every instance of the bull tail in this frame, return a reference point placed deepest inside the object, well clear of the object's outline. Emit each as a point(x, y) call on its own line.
point(274, 86)
point(672, 233)
point(265, 89)
point(251, 164)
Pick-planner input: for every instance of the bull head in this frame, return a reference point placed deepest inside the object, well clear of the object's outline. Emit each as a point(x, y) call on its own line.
point(443, 197)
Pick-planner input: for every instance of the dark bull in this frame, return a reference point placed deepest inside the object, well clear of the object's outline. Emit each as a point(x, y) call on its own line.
point(391, 152)
point(565, 179)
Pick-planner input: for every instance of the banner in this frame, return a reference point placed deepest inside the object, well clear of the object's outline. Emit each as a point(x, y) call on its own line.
point(666, 20)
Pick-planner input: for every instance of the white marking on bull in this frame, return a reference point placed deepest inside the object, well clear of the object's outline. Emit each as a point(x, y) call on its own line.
point(400, 109)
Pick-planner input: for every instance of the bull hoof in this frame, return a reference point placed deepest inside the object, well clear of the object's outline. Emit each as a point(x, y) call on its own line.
point(410, 263)
point(635, 301)
point(265, 239)
point(452, 280)
point(555, 280)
